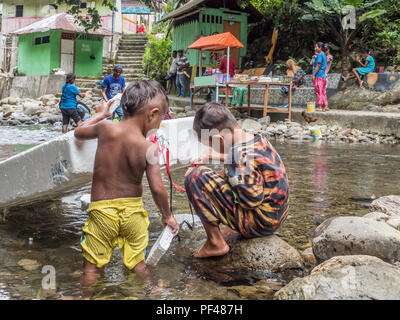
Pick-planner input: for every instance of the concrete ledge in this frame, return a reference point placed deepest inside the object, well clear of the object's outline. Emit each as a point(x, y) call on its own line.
point(383, 123)
point(36, 86)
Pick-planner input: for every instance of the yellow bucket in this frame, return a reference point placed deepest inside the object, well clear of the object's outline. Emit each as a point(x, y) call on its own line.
point(311, 106)
point(315, 132)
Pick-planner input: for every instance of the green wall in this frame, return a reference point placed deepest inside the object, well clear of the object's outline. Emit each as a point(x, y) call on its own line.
point(87, 45)
point(185, 33)
point(37, 59)
point(40, 59)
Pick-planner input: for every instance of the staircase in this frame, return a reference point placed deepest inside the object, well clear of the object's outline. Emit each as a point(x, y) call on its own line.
point(129, 55)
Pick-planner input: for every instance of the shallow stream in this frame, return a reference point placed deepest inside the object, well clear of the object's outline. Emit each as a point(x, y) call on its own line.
point(326, 179)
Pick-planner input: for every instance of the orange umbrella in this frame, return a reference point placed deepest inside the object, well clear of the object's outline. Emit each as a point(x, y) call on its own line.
point(216, 42)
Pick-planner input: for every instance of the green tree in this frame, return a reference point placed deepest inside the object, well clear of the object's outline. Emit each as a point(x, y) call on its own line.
point(333, 13)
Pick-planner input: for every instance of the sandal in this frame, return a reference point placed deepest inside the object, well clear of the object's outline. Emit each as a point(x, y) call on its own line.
point(325, 109)
point(318, 109)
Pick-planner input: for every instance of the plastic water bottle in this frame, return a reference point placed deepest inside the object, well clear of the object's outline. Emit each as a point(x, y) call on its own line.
point(116, 102)
point(160, 247)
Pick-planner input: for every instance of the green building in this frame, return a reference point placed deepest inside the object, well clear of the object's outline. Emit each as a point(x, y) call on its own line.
point(57, 43)
point(200, 18)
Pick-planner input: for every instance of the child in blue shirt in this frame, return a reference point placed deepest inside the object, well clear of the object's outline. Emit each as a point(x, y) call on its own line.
point(366, 67)
point(68, 102)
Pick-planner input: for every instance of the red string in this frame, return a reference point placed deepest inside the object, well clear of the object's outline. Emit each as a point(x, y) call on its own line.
point(153, 138)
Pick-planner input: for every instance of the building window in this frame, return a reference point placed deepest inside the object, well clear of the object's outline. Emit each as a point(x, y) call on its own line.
point(19, 10)
point(42, 40)
point(83, 5)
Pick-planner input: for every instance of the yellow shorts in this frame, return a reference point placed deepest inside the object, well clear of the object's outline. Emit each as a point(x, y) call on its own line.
point(121, 222)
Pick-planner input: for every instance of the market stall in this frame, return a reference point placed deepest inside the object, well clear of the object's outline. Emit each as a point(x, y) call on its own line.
point(215, 80)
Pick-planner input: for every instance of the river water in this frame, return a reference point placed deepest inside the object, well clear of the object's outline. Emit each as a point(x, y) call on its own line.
point(326, 179)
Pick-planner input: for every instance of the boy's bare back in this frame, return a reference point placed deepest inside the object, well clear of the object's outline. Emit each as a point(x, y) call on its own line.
point(120, 162)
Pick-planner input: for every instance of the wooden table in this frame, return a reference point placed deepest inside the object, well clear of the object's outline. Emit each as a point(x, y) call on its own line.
point(266, 109)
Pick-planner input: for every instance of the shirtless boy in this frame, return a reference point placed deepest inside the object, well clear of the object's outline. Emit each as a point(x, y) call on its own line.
point(116, 213)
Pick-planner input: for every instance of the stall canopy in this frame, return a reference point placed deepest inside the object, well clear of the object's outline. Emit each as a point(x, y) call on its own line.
point(216, 42)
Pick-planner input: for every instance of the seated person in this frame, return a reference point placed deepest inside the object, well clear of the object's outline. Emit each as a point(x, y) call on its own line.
point(297, 73)
point(224, 65)
point(250, 196)
point(366, 67)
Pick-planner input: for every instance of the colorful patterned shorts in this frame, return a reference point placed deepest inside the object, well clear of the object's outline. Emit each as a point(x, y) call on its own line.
point(215, 202)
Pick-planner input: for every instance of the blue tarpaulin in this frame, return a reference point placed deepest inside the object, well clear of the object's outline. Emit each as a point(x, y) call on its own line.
point(134, 7)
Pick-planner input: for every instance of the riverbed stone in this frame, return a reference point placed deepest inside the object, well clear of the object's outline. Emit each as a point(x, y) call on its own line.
point(356, 235)
point(394, 222)
point(377, 216)
point(28, 264)
point(309, 258)
point(266, 253)
point(346, 278)
point(251, 125)
point(387, 204)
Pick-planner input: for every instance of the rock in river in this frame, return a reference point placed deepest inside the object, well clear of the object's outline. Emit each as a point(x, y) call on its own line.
point(267, 253)
point(346, 278)
point(28, 264)
point(388, 204)
point(356, 235)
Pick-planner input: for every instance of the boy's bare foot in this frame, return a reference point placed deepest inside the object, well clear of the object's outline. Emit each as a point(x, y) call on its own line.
point(361, 83)
point(209, 250)
point(227, 232)
point(344, 78)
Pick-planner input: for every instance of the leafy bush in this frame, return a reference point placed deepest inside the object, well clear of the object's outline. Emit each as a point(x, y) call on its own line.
point(156, 57)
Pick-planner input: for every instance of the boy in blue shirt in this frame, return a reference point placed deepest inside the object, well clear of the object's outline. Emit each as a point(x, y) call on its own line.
point(68, 102)
point(112, 85)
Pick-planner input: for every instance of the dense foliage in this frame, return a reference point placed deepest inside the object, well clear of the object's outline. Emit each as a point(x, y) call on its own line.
point(304, 22)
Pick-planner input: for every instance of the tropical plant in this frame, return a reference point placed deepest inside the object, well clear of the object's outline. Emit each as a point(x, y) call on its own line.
point(333, 14)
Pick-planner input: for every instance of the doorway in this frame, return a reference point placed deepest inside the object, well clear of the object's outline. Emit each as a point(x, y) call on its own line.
point(67, 52)
point(234, 28)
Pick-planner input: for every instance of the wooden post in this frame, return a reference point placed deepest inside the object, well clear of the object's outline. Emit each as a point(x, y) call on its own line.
point(227, 95)
point(248, 99)
point(266, 100)
point(290, 101)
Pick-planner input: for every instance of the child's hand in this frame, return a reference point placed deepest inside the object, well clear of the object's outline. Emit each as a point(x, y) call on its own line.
point(171, 222)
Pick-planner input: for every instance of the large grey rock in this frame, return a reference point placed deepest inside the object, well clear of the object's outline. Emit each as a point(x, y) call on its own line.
point(267, 253)
point(387, 204)
point(251, 125)
point(32, 108)
point(346, 278)
point(354, 98)
point(356, 235)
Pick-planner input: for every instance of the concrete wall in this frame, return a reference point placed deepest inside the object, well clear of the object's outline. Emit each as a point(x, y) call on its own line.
point(5, 87)
point(36, 86)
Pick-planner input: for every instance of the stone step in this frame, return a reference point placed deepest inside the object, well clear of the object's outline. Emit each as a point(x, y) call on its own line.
point(130, 53)
point(122, 53)
point(133, 48)
point(128, 60)
point(133, 36)
point(133, 42)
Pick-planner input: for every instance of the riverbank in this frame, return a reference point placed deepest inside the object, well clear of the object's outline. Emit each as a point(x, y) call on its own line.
point(335, 125)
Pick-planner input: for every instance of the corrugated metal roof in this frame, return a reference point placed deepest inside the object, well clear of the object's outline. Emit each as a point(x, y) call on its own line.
point(60, 21)
point(254, 14)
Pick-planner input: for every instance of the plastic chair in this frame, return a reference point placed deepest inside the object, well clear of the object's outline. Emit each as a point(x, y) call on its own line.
point(237, 98)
